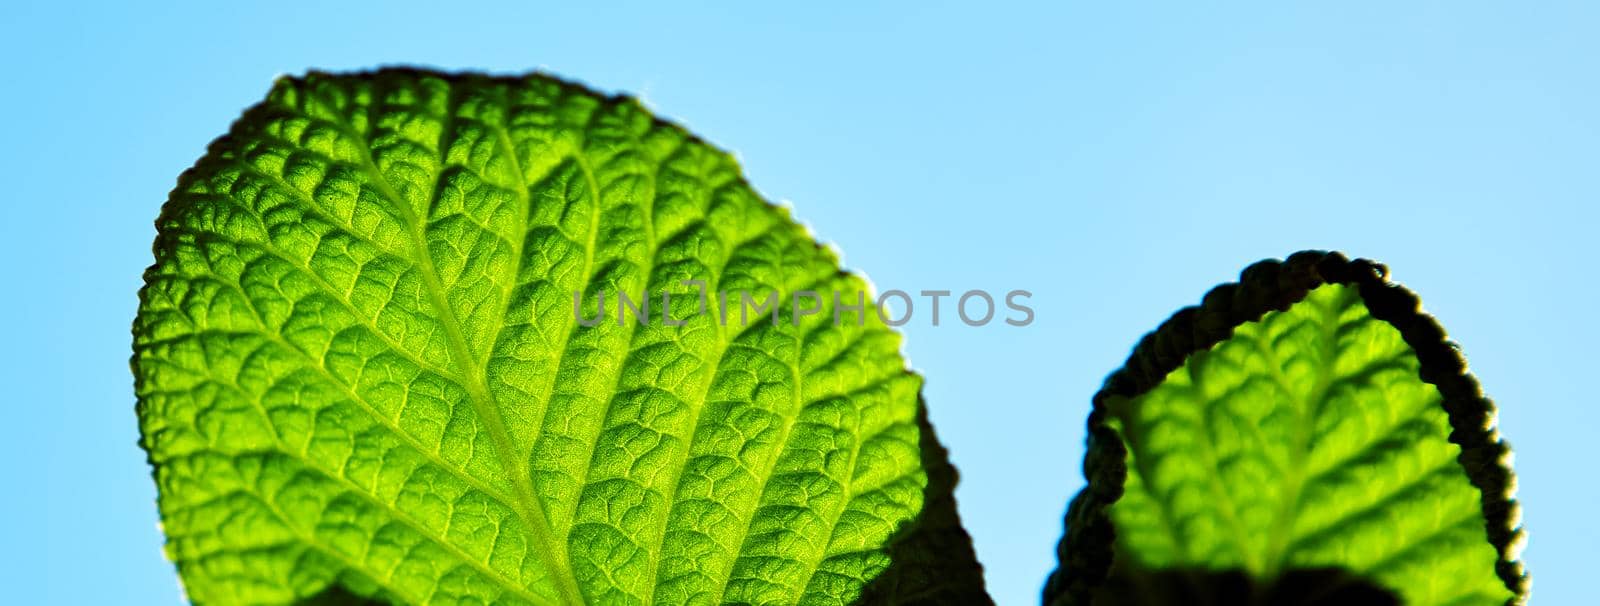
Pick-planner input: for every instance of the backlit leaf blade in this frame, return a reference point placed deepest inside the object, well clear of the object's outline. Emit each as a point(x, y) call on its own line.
point(1304, 436)
point(360, 372)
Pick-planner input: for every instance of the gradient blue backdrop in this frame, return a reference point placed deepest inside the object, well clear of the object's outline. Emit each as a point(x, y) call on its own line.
point(1115, 162)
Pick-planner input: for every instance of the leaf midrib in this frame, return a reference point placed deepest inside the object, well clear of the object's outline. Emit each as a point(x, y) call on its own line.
point(312, 541)
point(1310, 409)
point(554, 554)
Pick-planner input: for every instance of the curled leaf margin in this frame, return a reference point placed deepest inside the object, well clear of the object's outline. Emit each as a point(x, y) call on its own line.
point(1086, 550)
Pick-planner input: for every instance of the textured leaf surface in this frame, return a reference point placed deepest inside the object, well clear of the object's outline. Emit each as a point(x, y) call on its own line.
point(360, 372)
point(1309, 453)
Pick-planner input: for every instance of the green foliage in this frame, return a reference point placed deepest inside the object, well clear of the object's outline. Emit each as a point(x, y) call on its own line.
point(1306, 435)
point(360, 374)
point(363, 377)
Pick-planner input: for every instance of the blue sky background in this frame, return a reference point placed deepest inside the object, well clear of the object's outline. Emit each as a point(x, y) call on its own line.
point(1116, 162)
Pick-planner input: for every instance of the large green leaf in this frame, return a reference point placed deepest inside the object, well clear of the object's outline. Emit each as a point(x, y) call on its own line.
point(1305, 436)
point(360, 374)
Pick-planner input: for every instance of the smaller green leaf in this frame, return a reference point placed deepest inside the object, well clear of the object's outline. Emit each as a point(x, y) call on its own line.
point(1305, 436)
